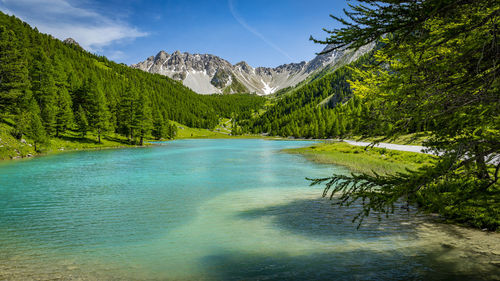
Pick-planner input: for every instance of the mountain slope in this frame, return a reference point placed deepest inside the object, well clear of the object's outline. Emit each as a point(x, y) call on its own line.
point(320, 108)
point(208, 74)
point(52, 90)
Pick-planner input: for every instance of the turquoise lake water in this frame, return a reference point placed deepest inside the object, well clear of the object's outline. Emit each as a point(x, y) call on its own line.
point(212, 210)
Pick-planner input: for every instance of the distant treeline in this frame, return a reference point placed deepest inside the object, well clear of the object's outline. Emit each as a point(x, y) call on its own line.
point(325, 108)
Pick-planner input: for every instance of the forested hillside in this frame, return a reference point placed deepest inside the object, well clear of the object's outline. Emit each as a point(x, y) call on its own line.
point(323, 108)
point(48, 87)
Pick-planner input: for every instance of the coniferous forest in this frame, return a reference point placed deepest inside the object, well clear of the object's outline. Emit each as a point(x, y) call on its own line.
point(324, 108)
point(48, 87)
point(51, 87)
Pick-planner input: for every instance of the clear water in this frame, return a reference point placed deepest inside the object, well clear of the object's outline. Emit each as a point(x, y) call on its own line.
point(211, 210)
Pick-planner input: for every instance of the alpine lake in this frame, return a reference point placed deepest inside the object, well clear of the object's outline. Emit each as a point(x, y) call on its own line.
point(224, 209)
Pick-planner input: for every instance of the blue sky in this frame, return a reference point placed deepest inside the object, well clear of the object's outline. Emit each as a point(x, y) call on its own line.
point(262, 33)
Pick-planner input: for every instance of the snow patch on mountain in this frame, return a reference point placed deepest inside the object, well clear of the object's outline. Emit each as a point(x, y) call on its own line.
point(209, 74)
point(267, 89)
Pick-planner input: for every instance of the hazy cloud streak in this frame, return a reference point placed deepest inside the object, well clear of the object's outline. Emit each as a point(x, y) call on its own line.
point(62, 20)
point(242, 22)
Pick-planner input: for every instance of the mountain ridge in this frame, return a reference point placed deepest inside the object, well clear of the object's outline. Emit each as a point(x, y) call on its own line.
point(210, 74)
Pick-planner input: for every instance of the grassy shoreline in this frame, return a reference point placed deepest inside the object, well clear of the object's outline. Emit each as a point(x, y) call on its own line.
point(14, 149)
point(479, 211)
point(361, 159)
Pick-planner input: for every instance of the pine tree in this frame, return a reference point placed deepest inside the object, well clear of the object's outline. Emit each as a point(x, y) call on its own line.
point(14, 82)
point(335, 128)
point(322, 128)
point(234, 127)
point(315, 130)
point(29, 123)
point(171, 130)
point(44, 90)
point(81, 121)
point(64, 114)
point(36, 131)
point(159, 129)
point(98, 113)
point(127, 114)
point(144, 118)
point(92, 99)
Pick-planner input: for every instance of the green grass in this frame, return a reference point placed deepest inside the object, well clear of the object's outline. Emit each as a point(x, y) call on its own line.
point(72, 141)
point(359, 159)
point(185, 132)
point(269, 103)
point(463, 201)
point(12, 148)
point(225, 126)
point(458, 201)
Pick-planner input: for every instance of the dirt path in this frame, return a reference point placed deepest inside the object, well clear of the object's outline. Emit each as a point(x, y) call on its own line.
point(401, 147)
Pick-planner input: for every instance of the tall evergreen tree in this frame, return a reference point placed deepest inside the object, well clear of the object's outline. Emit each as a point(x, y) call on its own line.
point(172, 130)
point(143, 117)
point(29, 123)
point(127, 118)
point(64, 113)
point(159, 129)
point(438, 64)
point(98, 113)
point(81, 121)
point(36, 130)
point(14, 82)
point(44, 90)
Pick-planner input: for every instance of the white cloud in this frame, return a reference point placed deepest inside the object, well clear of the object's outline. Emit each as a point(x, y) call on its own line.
point(116, 55)
point(62, 19)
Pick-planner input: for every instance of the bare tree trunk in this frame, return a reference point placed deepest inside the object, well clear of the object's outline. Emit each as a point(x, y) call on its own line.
point(481, 164)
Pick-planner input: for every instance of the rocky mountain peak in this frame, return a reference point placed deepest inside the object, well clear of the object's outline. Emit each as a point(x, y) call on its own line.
point(161, 55)
point(71, 41)
point(244, 66)
point(209, 74)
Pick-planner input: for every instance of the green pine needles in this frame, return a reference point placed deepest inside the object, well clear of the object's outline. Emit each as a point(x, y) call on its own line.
point(437, 70)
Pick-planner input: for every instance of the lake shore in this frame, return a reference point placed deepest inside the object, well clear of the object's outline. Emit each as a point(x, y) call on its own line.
point(25, 150)
point(359, 158)
point(475, 212)
point(20, 149)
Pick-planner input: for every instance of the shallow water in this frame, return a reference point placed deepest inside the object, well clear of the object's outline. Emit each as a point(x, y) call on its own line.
point(212, 210)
